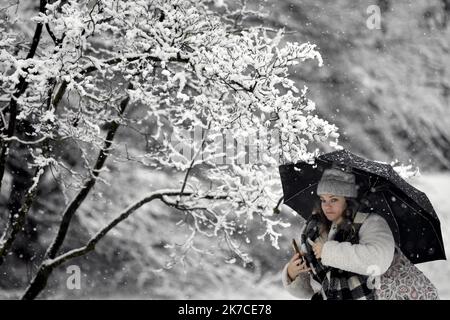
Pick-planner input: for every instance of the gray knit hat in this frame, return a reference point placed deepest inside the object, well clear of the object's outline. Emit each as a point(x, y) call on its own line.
point(338, 183)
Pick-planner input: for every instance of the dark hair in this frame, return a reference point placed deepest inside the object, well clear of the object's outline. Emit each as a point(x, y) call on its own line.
point(347, 223)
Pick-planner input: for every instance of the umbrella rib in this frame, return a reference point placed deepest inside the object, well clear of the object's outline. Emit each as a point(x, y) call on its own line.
point(395, 220)
point(370, 187)
point(300, 192)
point(429, 222)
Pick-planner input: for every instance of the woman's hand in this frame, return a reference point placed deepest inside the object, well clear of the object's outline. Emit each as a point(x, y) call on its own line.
point(296, 267)
point(317, 248)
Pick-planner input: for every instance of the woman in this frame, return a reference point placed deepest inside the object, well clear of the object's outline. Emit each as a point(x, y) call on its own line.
point(340, 261)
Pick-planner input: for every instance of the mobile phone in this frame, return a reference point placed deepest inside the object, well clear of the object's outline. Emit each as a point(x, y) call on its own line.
point(296, 249)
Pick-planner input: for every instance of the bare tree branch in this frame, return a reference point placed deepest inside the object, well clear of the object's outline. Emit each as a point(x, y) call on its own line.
point(45, 269)
point(102, 233)
point(52, 35)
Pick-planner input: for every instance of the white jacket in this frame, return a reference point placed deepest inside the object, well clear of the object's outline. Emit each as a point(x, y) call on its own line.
point(373, 255)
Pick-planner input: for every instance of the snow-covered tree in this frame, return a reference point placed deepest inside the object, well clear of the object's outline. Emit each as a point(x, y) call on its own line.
point(92, 66)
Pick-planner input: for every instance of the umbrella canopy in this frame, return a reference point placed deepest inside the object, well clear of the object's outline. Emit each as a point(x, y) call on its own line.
point(409, 213)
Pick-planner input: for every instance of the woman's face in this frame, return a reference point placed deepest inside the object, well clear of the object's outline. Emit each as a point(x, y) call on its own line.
point(333, 206)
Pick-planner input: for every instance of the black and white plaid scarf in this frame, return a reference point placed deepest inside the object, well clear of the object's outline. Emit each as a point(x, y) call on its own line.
point(336, 284)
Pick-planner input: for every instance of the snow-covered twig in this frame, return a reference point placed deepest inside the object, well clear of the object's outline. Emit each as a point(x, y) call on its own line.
point(13, 138)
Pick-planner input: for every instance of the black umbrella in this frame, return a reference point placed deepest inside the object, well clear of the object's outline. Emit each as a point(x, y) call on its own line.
point(409, 213)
